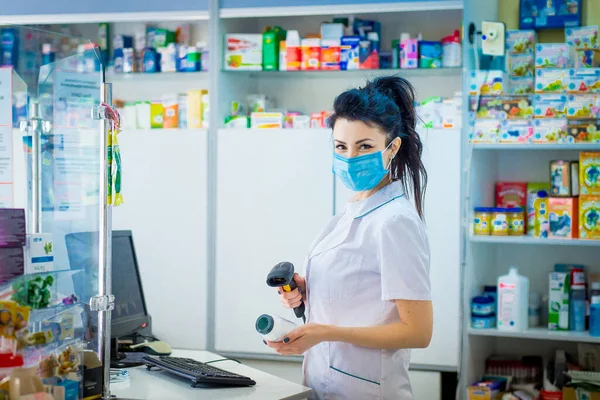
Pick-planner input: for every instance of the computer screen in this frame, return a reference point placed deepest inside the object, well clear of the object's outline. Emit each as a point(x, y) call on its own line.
point(130, 313)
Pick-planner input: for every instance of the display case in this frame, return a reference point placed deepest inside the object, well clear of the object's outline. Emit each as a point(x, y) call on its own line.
point(55, 302)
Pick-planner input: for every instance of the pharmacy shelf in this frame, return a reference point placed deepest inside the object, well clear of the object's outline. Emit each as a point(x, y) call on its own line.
point(111, 76)
point(526, 240)
point(538, 334)
point(549, 146)
point(417, 72)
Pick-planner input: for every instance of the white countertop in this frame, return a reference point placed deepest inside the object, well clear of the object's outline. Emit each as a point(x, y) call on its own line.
point(156, 384)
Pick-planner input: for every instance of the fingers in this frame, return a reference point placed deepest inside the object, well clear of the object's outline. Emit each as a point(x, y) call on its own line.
point(290, 299)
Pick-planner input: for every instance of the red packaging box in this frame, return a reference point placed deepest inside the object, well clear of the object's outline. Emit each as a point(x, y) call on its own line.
point(511, 194)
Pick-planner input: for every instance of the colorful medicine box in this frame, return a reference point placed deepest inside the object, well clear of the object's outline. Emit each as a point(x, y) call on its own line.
point(243, 52)
point(549, 105)
point(430, 54)
point(516, 131)
point(583, 106)
point(583, 131)
point(560, 178)
point(349, 47)
point(589, 173)
point(589, 217)
point(487, 82)
point(39, 253)
point(195, 110)
point(552, 55)
point(266, 120)
point(563, 215)
point(505, 107)
point(586, 58)
point(485, 131)
point(584, 80)
point(511, 194)
point(582, 37)
point(520, 41)
point(330, 54)
point(520, 65)
point(551, 80)
point(156, 115)
point(549, 130)
point(520, 85)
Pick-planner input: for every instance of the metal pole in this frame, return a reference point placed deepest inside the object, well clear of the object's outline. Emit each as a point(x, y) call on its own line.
point(36, 128)
point(104, 245)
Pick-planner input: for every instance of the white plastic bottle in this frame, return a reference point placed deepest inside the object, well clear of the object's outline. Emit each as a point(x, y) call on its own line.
point(513, 301)
point(274, 328)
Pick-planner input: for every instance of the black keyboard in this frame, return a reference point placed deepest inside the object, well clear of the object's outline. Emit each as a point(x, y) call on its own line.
point(198, 372)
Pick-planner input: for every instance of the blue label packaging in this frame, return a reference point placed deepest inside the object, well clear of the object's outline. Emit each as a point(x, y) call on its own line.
point(586, 58)
point(549, 130)
point(430, 54)
point(582, 37)
point(151, 61)
point(483, 305)
point(487, 82)
point(551, 55)
point(9, 47)
point(12, 263)
point(558, 301)
point(519, 85)
point(168, 58)
point(584, 80)
point(551, 80)
point(516, 131)
point(39, 253)
point(549, 105)
point(128, 60)
point(12, 227)
point(349, 49)
point(520, 41)
point(485, 131)
point(583, 106)
point(483, 321)
point(122, 42)
point(520, 65)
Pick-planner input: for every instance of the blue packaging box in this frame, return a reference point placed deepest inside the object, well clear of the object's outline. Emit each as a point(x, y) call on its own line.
point(430, 54)
point(9, 47)
point(349, 47)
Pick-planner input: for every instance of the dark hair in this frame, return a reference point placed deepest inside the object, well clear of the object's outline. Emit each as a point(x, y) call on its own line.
point(389, 104)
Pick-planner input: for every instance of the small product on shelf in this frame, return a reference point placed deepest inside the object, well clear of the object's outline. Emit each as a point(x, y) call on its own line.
point(584, 80)
point(558, 301)
point(583, 106)
point(589, 217)
point(563, 215)
point(511, 194)
point(483, 221)
point(534, 310)
point(533, 191)
point(451, 49)
point(551, 55)
point(516, 131)
point(551, 80)
point(549, 106)
point(516, 221)
point(499, 222)
point(513, 301)
point(595, 310)
point(409, 51)
point(520, 65)
point(560, 182)
point(589, 170)
point(583, 131)
point(549, 130)
point(487, 82)
point(244, 52)
point(540, 223)
point(483, 312)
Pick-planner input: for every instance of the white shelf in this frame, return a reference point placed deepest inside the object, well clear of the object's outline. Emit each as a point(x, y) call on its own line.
point(157, 76)
point(527, 240)
point(416, 72)
point(82, 18)
point(341, 9)
point(538, 334)
point(541, 146)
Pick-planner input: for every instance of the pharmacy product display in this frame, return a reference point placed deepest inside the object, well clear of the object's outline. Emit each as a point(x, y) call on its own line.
point(184, 111)
point(548, 92)
point(567, 207)
point(342, 44)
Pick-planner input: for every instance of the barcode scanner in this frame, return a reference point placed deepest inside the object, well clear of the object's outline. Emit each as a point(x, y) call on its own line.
point(282, 275)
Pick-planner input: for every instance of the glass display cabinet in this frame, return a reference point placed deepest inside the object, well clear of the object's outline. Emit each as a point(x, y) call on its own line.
point(56, 122)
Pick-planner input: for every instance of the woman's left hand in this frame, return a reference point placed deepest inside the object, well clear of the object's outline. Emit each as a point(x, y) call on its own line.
point(300, 340)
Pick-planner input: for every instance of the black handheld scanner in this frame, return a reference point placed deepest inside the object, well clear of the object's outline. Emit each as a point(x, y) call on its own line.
point(282, 275)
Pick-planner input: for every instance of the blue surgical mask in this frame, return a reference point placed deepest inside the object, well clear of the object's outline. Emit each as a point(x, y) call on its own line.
point(360, 173)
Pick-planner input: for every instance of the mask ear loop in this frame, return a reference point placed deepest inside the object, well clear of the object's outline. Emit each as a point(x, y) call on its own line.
point(391, 159)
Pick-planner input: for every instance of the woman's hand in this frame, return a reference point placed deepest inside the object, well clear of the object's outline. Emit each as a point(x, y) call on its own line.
point(300, 339)
point(295, 297)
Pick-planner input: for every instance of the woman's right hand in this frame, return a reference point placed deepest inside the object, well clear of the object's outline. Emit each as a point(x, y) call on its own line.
point(295, 297)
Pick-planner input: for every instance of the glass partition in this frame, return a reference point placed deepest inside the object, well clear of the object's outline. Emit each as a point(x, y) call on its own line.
point(54, 315)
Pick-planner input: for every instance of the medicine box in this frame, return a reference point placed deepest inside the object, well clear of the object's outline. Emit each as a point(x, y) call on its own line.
point(520, 41)
point(484, 390)
point(503, 107)
point(549, 130)
point(583, 106)
point(511, 194)
point(516, 131)
point(560, 178)
point(583, 131)
point(39, 253)
point(549, 105)
point(430, 54)
point(589, 217)
point(520, 85)
point(589, 173)
point(586, 58)
point(330, 54)
point(582, 37)
point(12, 227)
point(558, 301)
point(551, 55)
point(156, 115)
point(12, 263)
point(584, 80)
point(349, 47)
point(409, 53)
point(485, 131)
point(551, 80)
point(243, 52)
point(195, 112)
point(520, 64)
point(487, 82)
point(563, 214)
point(266, 120)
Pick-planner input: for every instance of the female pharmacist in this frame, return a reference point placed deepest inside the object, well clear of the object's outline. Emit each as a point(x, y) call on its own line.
point(366, 283)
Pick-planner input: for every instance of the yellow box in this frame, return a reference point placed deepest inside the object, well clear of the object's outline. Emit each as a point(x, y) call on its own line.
point(195, 108)
point(482, 393)
point(589, 217)
point(589, 173)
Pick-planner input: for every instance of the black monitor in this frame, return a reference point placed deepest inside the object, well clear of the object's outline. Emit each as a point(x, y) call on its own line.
point(130, 314)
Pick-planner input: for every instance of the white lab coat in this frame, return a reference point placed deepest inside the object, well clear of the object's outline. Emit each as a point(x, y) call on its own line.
point(372, 253)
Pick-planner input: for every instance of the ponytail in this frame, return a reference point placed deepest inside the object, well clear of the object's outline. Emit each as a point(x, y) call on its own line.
point(389, 104)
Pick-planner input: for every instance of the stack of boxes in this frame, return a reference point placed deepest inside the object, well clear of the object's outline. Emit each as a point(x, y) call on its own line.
point(12, 243)
point(566, 84)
